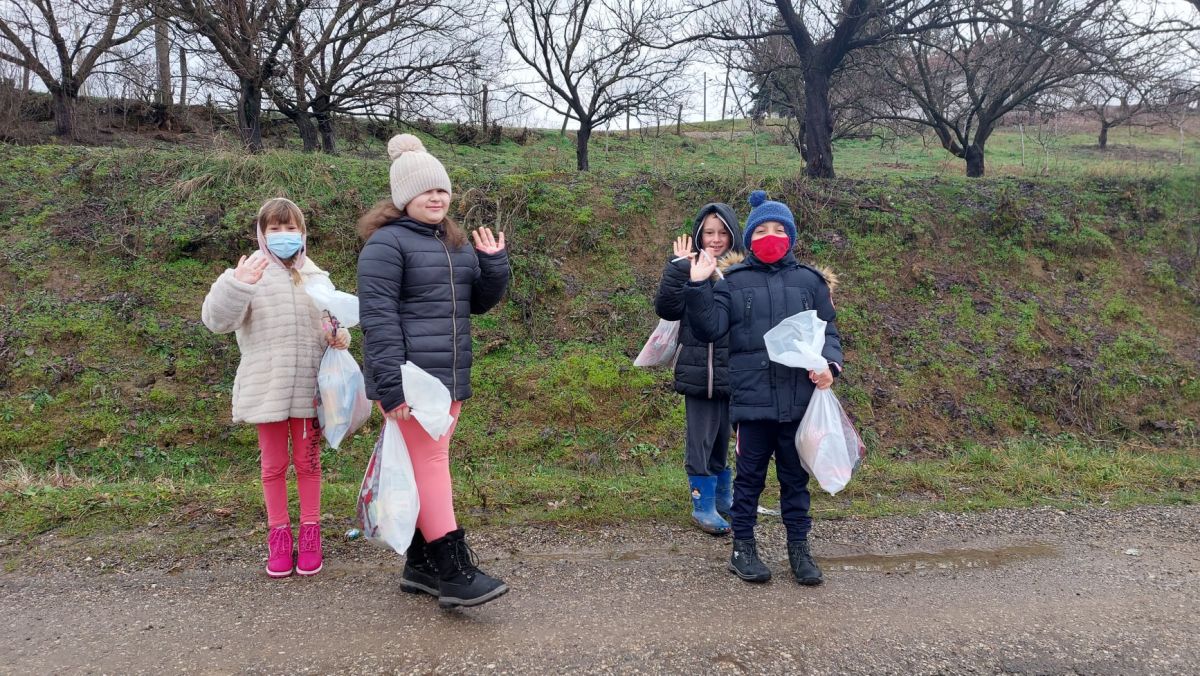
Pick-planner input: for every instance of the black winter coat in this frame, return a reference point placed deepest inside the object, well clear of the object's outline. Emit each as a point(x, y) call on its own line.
point(752, 299)
point(416, 297)
point(702, 369)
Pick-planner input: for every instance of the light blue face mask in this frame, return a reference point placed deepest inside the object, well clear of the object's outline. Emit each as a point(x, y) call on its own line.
point(284, 244)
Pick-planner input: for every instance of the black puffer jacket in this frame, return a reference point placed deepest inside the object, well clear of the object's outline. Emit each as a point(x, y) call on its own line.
point(752, 299)
point(410, 310)
point(702, 369)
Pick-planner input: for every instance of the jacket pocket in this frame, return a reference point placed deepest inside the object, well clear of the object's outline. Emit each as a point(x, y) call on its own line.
point(749, 379)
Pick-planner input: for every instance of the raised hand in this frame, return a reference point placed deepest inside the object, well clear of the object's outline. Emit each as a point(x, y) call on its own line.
point(703, 267)
point(683, 247)
point(486, 243)
point(250, 271)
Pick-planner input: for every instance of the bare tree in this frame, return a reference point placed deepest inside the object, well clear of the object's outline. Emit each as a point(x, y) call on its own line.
point(962, 80)
point(358, 56)
point(592, 60)
point(64, 41)
point(162, 58)
point(248, 36)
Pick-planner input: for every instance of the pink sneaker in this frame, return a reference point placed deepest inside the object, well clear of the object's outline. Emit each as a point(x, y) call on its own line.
point(279, 542)
point(308, 561)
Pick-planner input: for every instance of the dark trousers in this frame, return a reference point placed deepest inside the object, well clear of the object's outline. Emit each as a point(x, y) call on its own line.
point(757, 441)
point(708, 431)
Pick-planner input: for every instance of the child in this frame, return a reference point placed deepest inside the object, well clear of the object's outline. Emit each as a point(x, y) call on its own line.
point(280, 335)
point(419, 282)
point(767, 400)
point(702, 369)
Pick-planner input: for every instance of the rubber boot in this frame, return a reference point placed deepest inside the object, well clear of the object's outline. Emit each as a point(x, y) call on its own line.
point(807, 572)
point(460, 582)
point(704, 513)
point(744, 562)
point(725, 492)
point(420, 575)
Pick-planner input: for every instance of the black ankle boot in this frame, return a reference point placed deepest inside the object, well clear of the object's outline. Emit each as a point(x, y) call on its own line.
point(803, 567)
point(460, 582)
point(420, 575)
point(745, 562)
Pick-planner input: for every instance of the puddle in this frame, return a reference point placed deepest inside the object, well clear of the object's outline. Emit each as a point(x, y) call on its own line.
point(943, 560)
point(948, 559)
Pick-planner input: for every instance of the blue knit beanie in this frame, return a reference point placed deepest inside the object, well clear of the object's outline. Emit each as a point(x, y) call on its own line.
point(765, 210)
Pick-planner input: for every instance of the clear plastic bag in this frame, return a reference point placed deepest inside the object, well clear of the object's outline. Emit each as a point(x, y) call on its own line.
point(387, 500)
point(661, 347)
point(829, 447)
point(797, 342)
point(342, 404)
point(342, 305)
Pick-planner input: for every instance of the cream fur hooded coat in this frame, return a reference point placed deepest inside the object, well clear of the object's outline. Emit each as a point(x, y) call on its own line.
point(279, 334)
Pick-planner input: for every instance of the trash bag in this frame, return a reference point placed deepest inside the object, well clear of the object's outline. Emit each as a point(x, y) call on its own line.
point(662, 347)
point(342, 305)
point(829, 447)
point(428, 398)
point(342, 404)
point(797, 342)
point(387, 500)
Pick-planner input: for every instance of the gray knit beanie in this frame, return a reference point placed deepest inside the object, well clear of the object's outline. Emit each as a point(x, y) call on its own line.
point(413, 170)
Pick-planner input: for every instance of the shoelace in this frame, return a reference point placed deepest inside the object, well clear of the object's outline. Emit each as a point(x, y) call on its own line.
point(309, 537)
point(280, 541)
point(464, 556)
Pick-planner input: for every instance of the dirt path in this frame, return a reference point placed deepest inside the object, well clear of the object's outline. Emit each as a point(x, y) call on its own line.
point(1038, 592)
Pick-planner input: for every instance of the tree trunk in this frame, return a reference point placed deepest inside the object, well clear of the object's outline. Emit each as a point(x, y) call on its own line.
point(328, 135)
point(818, 125)
point(581, 145)
point(162, 56)
point(1103, 136)
point(483, 110)
point(562, 131)
point(183, 76)
point(64, 112)
point(249, 115)
point(308, 130)
point(974, 156)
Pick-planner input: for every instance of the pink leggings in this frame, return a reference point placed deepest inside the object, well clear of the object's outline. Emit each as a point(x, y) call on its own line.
point(306, 446)
point(431, 468)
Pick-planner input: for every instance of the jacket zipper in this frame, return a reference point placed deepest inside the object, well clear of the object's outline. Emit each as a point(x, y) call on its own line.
point(710, 370)
point(453, 319)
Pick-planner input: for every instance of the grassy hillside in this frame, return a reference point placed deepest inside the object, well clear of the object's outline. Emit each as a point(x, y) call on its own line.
point(1009, 341)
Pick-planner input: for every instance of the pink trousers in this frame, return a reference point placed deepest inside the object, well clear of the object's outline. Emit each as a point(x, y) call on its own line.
point(305, 455)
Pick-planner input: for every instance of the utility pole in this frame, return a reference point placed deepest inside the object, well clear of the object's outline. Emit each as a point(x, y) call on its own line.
point(704, 98)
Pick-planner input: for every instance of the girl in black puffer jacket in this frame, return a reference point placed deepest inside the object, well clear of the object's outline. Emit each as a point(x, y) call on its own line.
point(702, 368)
point(419, 282)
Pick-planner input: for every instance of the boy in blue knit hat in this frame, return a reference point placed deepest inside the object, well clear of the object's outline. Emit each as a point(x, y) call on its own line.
point(767, 400)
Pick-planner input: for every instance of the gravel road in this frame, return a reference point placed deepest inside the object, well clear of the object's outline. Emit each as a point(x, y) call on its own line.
point(1026, 592)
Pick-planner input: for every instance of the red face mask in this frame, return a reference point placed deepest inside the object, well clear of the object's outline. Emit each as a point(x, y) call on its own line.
point(770, 248)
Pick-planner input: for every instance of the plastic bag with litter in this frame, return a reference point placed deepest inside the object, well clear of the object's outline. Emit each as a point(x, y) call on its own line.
point(388, 503)
point(829, 447)
point(661, 347)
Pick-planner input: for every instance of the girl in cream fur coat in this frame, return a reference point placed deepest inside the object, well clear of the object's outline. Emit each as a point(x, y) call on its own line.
point(281, 339)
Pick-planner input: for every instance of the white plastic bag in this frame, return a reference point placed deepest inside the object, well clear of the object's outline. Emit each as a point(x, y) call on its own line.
point(342, 404)
point(797, 342)
point(387, 500)
point(661, 347)
point(342, 305)
point(829, 447)
point(830, 450)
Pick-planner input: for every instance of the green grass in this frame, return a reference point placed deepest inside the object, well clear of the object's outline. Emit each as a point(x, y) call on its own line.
point(982, 320)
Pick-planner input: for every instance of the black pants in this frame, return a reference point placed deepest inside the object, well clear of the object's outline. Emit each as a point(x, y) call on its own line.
point(708, 431)
point(757, 441)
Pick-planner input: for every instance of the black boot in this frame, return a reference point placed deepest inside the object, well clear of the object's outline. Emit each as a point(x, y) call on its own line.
point(420, 575)
point(745, 562)
point(803, 567)
point(460, 583)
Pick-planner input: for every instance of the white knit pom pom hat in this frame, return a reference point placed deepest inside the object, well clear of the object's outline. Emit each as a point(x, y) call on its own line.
point(413, 170)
